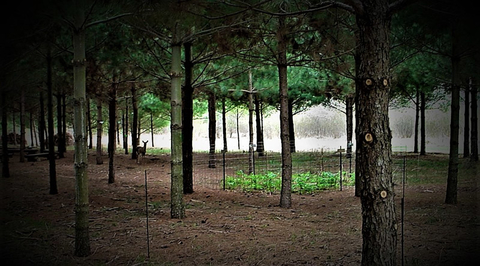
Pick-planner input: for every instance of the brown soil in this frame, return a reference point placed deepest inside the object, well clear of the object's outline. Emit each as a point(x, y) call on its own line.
point(222, 227)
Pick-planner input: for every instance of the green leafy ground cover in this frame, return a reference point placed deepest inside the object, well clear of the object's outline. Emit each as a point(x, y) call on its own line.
point(302, 183)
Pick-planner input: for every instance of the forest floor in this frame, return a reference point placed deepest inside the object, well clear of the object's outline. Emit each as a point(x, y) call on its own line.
point(222, 227)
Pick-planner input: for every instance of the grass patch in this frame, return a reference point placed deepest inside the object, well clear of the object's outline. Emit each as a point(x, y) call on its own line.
point(303, 183)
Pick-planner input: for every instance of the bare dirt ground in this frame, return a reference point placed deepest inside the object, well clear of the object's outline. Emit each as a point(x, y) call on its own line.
point(222, 227)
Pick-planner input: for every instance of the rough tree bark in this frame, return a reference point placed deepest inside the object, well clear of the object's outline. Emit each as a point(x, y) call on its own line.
point(82, 239)
point(286, 190)
point(112, 125)
point(373, 135)
point(187, 121)
point(212, 128)
point(177, 205)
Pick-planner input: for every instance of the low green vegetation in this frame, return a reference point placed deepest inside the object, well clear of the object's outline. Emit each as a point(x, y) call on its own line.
point(303, 183)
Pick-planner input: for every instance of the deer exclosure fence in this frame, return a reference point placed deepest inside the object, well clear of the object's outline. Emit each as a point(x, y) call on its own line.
point(210, 170)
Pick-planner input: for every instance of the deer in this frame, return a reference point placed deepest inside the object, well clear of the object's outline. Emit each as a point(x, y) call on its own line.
point(141, 151)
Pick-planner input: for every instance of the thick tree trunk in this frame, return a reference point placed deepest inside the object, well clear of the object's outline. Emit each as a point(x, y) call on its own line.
point(51, 141)
point(187, 122)
point(212, 129)
point(474, 131)
point(177, 205)
point(373, 135)
point(82, 239)
point(112, 125)
point(98, 156)
point(286, 190)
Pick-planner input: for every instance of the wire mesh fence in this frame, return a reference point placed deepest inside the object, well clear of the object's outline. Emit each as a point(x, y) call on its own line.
point(210, 170)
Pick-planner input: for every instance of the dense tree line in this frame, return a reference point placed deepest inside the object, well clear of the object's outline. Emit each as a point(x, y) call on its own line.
point(145, 63)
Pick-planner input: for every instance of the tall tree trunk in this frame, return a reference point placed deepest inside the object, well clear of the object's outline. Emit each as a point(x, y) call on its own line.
point(212, 128)
point(99, 157)
point(474, 131)
point(51, 141)
point(60, 138)
point(466, 128)
point(423, 134)
point(22, 125)
point(250, 124)
point(224, 126)
point(32, 129)
point(3, 110)
point(64, 122)
point(125, 127)
point(259, 124)
point(286, 190)
point(82, 239)
point(151, 129)
point(112, 124)
point(238, 129)
point(187, 122)
point(41, 124)
point(291, 127)
point(135, 141)
point(89, 125)
point(373, 135)
point(452, 179)
point(177, 210)
point(417, 120)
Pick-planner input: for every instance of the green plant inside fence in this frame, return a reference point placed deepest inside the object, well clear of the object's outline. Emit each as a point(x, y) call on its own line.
point(303, 183)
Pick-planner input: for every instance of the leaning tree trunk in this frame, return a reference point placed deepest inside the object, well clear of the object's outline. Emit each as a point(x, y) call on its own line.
point(187, 122)
point(112, 125)
point(177, 205)
point(82, 239)
point(286, 190)
point(373, 135)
